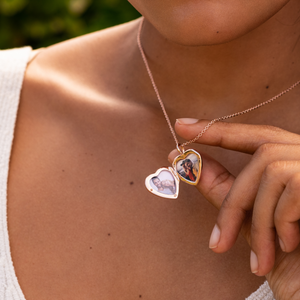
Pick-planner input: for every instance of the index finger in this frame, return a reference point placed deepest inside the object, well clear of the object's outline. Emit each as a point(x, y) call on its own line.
point(235, 136)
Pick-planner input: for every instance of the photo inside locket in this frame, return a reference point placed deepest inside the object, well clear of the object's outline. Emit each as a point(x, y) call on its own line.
point(164, 183)
point(188, 168)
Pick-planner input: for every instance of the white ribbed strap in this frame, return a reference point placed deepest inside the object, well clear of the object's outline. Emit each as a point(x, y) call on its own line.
point(12, 68)
point(263, 293)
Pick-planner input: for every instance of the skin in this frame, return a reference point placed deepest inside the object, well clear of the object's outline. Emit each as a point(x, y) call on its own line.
point(189, 165)
point(266, 207)
point(89, 130)
point(161, 185)
point(195, 23)
point(158, 184)
point(169, 185)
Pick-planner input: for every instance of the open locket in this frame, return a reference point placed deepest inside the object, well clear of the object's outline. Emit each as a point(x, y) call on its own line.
point(165, 181)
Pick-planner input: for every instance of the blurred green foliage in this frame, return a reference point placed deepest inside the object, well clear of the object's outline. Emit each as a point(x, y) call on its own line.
point(41, 23)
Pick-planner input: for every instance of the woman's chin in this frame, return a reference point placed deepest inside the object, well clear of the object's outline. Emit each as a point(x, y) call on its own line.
point(200, 33)
point(203, 36)
point(209, 23)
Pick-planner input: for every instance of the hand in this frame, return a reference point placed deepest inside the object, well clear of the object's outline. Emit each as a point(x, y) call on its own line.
point(167, 183)
point(263, 201)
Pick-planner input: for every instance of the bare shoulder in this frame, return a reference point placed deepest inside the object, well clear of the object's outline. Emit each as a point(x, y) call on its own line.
point(93, 65)
point(93, 49)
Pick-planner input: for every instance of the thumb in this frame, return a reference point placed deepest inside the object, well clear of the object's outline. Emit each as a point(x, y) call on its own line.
point(215, 180)
point(214, 184)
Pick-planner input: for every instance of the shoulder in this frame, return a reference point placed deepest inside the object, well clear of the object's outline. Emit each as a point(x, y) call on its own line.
point(83, 58)
point(87, 50)
point(87, 68)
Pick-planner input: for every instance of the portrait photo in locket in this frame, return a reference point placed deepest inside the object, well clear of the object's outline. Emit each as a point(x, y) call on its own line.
point(163, 183)
point(188, 168)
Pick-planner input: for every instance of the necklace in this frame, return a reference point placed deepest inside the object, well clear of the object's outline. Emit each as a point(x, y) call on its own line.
point(188, 164)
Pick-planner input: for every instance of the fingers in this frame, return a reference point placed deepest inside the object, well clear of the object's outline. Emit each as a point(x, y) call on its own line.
point(215, 181)
point(276, 187)
point(240, 200)
point(239, 137)
point(287, 215)
point(263, 228)
point(276, 208)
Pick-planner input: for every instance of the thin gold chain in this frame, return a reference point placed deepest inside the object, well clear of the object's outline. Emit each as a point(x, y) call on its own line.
point(200, 134)
point(153, 82)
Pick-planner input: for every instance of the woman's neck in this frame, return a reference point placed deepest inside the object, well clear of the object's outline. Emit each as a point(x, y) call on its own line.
point(253, 68)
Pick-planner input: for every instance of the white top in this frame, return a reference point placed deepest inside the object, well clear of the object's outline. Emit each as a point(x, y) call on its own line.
point(12, 68)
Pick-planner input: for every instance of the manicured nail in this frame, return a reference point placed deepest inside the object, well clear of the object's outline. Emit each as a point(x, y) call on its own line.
point(253, 262)
point(187, 121)
point(215, 237)
point(282, 246)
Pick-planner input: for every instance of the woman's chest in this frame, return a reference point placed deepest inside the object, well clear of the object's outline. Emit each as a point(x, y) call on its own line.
point(82, 223)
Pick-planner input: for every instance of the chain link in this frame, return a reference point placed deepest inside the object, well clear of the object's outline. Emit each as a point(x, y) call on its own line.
point(200, 134)
point(153, 83)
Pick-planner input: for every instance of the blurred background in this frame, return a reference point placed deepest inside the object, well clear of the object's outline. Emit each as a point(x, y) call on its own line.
point(41, 23)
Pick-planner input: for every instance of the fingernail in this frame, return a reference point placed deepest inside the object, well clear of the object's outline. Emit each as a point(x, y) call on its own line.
point(215, 237)
point(253, 262)
point(187, 121)
point(282, 246)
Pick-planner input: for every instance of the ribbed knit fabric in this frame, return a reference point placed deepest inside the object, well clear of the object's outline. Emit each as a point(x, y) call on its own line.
point(12, 68)
point(263, 293)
